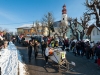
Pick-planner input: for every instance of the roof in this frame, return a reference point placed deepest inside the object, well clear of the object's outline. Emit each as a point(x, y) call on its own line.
point(26, 25)
point(56, 24)
point(90, 29)
point(29, 25)
point(98, 28)
point(27, 28)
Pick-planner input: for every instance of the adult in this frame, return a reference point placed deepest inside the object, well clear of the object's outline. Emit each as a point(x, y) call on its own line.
point(1, 43)
point(98, 55)
point(36, 48)
point(43, 46)
point(46, 54)
point(87, 48)
point(30, 50)
point(72, 45)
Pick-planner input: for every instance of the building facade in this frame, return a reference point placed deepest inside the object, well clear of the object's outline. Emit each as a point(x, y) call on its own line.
point(94, 33)
point(32, 30)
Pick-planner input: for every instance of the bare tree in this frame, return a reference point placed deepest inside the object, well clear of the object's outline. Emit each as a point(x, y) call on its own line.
point(5, 30)
point(63, 29)
point(43, 26)
point(37, 27)
point(93, 7)
point(49, 20)
point(84, 23)
point(79, 34)
point(73, 27)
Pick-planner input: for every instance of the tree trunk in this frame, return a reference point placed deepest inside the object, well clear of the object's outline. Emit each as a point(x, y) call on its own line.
point(42, 29)
point(64, 34)
point(81, 36)
point(77, 36)
point(49, 32)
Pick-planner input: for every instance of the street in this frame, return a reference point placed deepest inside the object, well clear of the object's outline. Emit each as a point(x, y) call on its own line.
point(38, 67)
point(52, 27)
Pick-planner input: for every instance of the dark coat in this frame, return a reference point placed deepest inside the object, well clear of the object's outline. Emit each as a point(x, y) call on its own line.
point(1, 43)
point(36, 48)
point(98, 52)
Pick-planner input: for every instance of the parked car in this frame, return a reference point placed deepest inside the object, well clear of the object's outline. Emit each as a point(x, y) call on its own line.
point(28, 35)
point(25, 40)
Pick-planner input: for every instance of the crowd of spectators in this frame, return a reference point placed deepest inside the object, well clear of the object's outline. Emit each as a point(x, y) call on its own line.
point(88, 49)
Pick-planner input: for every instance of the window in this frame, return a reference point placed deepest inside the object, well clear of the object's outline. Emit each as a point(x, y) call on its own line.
point(39, 30)
point(28, 30)
point(70, 36)
point(97, 32)
point(77, 25)
point(94, 32)
point(70, 31)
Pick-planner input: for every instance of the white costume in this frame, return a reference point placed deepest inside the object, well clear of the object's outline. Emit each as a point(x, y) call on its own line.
point(47, 51)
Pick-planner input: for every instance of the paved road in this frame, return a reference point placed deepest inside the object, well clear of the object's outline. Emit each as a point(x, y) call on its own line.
point(0, 70)
point(38, 67)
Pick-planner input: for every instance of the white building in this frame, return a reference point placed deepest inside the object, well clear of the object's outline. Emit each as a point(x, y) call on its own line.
point(94, 33)
point(60, 26)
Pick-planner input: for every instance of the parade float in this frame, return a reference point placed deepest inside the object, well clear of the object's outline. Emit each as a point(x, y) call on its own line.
point(59, 56)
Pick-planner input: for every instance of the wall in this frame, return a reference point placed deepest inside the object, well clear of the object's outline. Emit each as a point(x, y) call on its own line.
point(20, 30)
point(27, 31)
point(45, 33)
point(94, 36)
point(69, 32)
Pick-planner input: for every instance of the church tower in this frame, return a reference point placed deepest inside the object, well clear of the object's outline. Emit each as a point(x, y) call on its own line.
point(64, 16)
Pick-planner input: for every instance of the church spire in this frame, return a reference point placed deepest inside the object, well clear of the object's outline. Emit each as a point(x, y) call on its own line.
point(64, 11)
